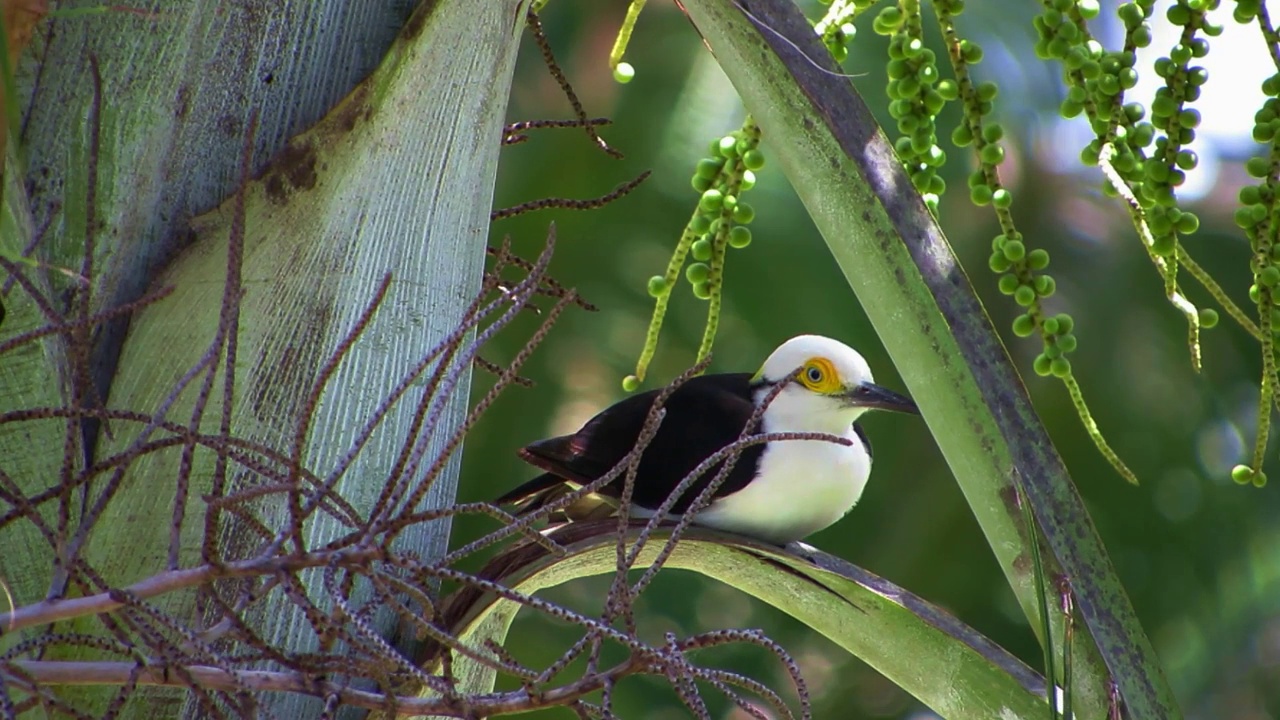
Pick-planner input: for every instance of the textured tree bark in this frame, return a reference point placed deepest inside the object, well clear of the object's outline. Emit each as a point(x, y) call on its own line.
point(394, 175)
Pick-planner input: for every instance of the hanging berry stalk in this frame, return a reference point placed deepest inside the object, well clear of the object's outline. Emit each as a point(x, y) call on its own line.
point(718, 223)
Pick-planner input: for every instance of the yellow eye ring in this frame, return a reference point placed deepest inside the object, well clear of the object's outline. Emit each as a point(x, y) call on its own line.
point(820, 376)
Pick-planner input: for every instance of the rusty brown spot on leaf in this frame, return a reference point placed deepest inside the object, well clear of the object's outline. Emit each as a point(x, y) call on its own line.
point(293, 169)
point(354, 108)
point(418, 20)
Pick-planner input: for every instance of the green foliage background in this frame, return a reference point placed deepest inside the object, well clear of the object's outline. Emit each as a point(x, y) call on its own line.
point(1199, 555)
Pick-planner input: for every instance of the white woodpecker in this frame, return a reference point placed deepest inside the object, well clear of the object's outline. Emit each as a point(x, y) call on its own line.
point(777, 492)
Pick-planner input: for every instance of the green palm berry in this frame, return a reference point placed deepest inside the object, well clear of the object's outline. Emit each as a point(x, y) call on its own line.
point(1014, 250)
point(728, 146)
point(748, 180)
point(1163, 106)
point(1060, 367)
point(657, 285)
point(1130, 14)
point(1188, 223)
point(712, 200)
point(630, 383)
point(1023, 326)
point(701, 250)
point(1044, 285)
point(739, 237)
point(887, 21)
point(1008, 283)
point(1024, 296)
point(702, 290)
point(624, 73)
point(948, 89)
point(697, 273)
point(1208, 317)
point(1002, 199)
point(933, 101)
point(1067, 343)
point(701, 184)
point(700, 224)
point(1042, 365)
point(1270, 276)
point(730, 202)
point(1050, 326)
point(744, 213)
point(753, 159)
point(1163, 244)
point(998, 262)
point(1038, 259)
point(1065, 322)
point(1271, 86)
point(980, 194)
point(1242, 474)
point(1257, 167)
point(936, 157)
point(709, 167)
point(971, 52)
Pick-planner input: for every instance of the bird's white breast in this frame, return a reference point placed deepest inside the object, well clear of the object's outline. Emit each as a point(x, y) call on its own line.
point(802, 487)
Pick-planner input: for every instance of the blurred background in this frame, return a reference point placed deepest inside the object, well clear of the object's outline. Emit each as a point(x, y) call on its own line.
point(1199, 556)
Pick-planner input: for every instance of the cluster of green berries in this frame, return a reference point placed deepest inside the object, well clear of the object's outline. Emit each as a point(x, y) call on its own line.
point(1022, 276)
point(915, 101)
point(838, 31)
point(1169, 162)
point(990, 155)
point(1246, 11)
point(1259, 211)
point(1244, 475)
point(1060, 37)
point(1258, 203)
point(838, 38)
point(1097, 80)
point(721, 218)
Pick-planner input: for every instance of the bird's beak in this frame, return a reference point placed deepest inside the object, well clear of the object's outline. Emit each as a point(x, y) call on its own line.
point(875, 397)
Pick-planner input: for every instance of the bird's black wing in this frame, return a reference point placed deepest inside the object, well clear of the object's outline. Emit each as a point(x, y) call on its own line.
point(703, 416)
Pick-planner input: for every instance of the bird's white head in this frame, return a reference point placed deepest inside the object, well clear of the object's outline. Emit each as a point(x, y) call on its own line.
point(834, 386)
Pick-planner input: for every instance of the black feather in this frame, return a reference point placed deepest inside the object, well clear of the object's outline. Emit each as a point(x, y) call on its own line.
point(704, 415)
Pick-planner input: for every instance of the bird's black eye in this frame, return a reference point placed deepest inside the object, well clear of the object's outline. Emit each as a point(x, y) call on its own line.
point(814, 374)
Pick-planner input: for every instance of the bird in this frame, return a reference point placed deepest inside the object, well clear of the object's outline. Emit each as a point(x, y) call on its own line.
point(777, 492)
